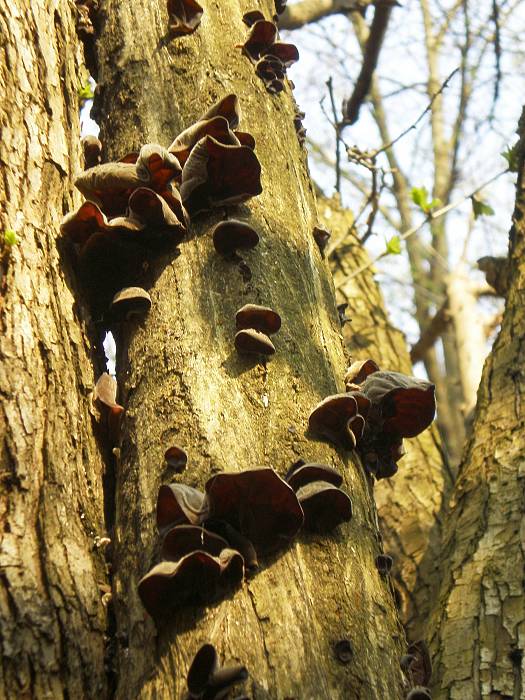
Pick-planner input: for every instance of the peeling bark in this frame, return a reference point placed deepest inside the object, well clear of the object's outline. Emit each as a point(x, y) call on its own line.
point(52, 622)
point(182, 379)
point(410, 504)
point(479, 619)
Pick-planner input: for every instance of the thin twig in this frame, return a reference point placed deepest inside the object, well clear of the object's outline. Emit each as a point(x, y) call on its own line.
point(337, 128)
point(431, 216)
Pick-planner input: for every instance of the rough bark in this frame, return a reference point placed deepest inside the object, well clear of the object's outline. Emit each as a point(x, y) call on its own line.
point(479, 618)
point(410, 504)
point(182, 381)
point(52, 621)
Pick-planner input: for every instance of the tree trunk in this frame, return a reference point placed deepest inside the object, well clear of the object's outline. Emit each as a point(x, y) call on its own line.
point(52, 620)
point(410, 504)
point(478, 622)
point(183, 382)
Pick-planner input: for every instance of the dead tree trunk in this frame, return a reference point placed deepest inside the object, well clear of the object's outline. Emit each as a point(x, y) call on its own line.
point(52, 621)
point(478, 638)
point(183, 381)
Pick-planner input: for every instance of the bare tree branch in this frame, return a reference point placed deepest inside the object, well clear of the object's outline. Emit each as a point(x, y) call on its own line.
point(430, 334)
point(311, 11)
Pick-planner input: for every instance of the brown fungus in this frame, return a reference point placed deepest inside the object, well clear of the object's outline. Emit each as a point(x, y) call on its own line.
point(340, 418)
point(217, 126)
point(104, 399)
point(251, 17)
point(184, 16)
point(130, 302)
point(286, 53)
point(232, 235)
point(262, 35)
point(180, 504)
point(419, 693)
point(272, 73)
point(359, 371)
point(227, 107)
point(262, 318)
point(92, 149)
point(217, 174)
point(301, 474)
point(176, 458)
point(280, 6)
point(184, 539)
point(344, 651)
point(252, 342)
point(235, 540)
point(257, 503)
point(207, 680)
point(163, 216)
point(321, 237)
point(196, 578)
point(324, 506)
point(88, 219)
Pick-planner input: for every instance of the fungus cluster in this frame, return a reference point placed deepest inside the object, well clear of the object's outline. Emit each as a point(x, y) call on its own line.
point(377, 412)
point(140, 205)
point(254, 326)
point(184, 16)
point(105, 407)
point(206, 679)
point(270, 57)
point(211, 538)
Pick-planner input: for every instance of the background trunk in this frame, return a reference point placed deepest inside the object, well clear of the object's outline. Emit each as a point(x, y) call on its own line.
point(52, 622)
point(182, 381)
point(410, 504)
point(478, 623)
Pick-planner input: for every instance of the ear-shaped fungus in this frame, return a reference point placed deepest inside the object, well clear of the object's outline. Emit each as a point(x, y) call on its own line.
point(251, 17)
point(217, 127)
point(205, 678)
point(130, 302)
point(302, 474)
point(272, 72)
point(286, 53)
point(216, 174)
point(184, 539)
point(88, 219)
point(257, 503)
point(164, 224)
point(358, 372)
point(180, 504)
point(280, 6)
point(407, 404)
point(196, 578)
point(262, 35)
point(92, 149)
point(321, 237)
point(384, 564)
point(232, 235)
point(105, 400)
point(254, 324)
point(325, 506)
point(227, 107)
point(184, 16)
point(176, 458)
point(340, 418)
point(111, 184)
point(235, 540)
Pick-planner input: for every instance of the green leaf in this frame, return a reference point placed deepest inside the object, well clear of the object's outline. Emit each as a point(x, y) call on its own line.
point(393, 246)
point(10, 238)
point(85, 93)
point(420, 197)
point(511, 156)
point(434, 204)
point(480, 208)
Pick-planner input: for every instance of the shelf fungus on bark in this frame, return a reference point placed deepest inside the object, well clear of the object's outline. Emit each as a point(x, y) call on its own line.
point(340, 419)
point(236, 541)
point(197, 578)
point(129, 303)
point(252, 16)
point(384, 564)
point(110, 185)
point(232, 235)
point(92, 149)
point(321, 237)
point(227, 107)
point(272, 72)
point(217, 127)
point(400, 407)
point(89, 219)
point(271, 57)
point(207, 680)
point(184, 539)
point(324, 505)
point(176, 458)
point(104, 402)
point(280, 6)
point(218, 174)
point(184, 16)
point(344, 651)
point(254, 324)
point(258, 504)
point(162, 215)
point(179, 504)
point(302, 473)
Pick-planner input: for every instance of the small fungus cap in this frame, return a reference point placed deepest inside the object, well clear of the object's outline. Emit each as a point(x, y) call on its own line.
point(176, 458)
point(262, 35)
point(217, 126)
point(261, 318)
point(331, 417)
point(251, 17)
point(325, 506)
point(227, 107)
point(303, 474)
point(252, 342)
point(258, 503)
point(183, 539)
point(230, 235)
point(359, 371)
point(129, 302)
point(203, 666)
point(180, 504)
point(184, 16)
